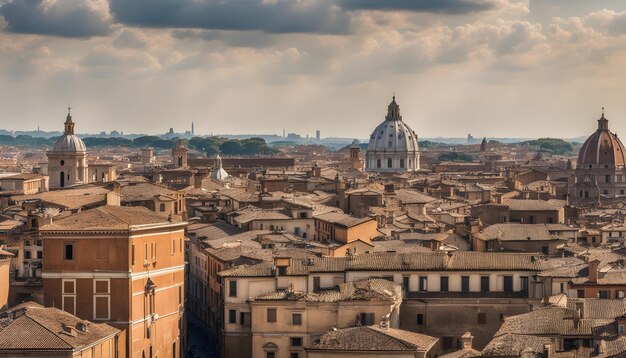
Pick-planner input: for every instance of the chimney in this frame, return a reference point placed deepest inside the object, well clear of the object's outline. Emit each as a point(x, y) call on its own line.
point(466, 341)
point(593, 271)
point(548, 351)
point(580, 308)
point(197, 181)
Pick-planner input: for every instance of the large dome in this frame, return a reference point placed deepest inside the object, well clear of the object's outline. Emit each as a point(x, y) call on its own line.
point(393, 145)
point(69, 142)
point(602, 148)
point(393, 135)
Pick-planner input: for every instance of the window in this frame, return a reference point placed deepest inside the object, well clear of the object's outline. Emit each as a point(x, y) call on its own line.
point(271, 314)
point(580, 293)
point(401, 163)
point(620, 329)
point(173, 247)
point(465, 284)
point(295, 342)
point(27, 255)
point(27, 243)
point(420, 319)
point(482, 318)
point(604, 294)
point(508, 283)
point(447, 343)
point(316, 284)
point(423, 283)
point(270, 354)
point(367, 319)
point(68, 299)
point(68, 252)
point(444, 284)
point(562, 287)
point(232, 316)
point(296, 319)
point(162, 207)
point(607, 178)
point(484, 284)
point(232, 288)
point(389, 163)
point(40, 255)
point(294, 355)
point(378, 163)
point(244, 318)
point(132, 254)
point(523, 283)
point(153, 249)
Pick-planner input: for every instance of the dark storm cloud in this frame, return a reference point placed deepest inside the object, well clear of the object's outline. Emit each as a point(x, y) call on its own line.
point(280, 16)
point(435, 6)
point(67, 18)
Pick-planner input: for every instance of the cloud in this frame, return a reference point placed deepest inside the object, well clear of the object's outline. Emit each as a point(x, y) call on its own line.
point(66, 18)
point(278, 16)
point(434, 6)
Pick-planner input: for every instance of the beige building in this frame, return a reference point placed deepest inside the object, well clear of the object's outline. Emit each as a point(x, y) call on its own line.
point(31, 330)
point(472, 289)
point(283, 322)
point(123, 266)
point(24, 184)
point(5, 263)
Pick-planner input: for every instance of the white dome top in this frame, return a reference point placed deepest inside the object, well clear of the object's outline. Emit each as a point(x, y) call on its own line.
point(393, 135)
point(69, 143)
point(219, 173)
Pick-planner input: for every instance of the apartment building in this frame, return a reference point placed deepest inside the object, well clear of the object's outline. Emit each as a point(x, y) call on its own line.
point(123, 266)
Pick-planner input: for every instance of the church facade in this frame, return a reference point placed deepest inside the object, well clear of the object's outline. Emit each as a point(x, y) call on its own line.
point(393, 146)
point(600, 170)
point(67, 161)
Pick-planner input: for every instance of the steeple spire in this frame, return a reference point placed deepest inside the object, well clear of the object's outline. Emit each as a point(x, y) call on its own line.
point(603, 123)
point(69, 124)
point(393, 110)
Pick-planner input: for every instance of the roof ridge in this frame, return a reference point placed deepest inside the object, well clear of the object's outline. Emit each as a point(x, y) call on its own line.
point(113, 215)
point(382, 331)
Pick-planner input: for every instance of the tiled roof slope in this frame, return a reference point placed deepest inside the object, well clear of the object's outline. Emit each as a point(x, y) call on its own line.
point(373, 338)
point(418, 261)
point(108, 217)
point(35, 327)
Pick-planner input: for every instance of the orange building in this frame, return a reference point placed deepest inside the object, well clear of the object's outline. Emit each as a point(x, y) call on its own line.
point(344, 228)
point(123, 266)
point(5, 261)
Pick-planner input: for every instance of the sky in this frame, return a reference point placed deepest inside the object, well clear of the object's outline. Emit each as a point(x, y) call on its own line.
point(495, 68)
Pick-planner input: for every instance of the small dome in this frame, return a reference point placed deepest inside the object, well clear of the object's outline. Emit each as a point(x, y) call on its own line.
point(69, 143)
point(602, 148)
point(393, 135)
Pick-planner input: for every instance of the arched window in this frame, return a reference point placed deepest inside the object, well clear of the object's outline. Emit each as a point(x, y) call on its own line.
point(581, 194)
point(586, 194)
